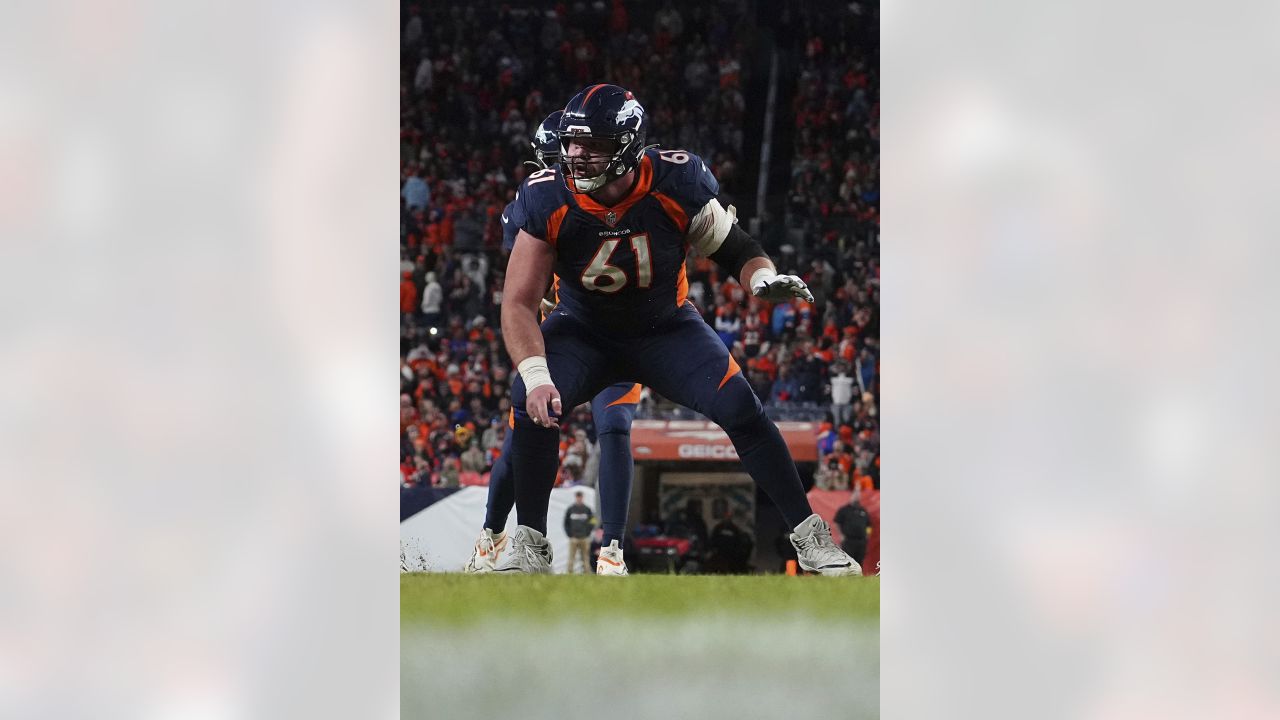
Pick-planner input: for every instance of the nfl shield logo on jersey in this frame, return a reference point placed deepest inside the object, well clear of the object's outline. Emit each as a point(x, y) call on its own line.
point(611, 219)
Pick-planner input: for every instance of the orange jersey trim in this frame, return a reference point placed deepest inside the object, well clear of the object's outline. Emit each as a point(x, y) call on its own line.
point(631, 398)
point(638, 192)
point(678, 216)
point(674, 211)
point(553, 224)
point(682, 286)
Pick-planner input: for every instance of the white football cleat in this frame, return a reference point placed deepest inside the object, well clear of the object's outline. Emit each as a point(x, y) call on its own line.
point(817, 551)
point(488, 548)
point(530, 553)
point(610, 561)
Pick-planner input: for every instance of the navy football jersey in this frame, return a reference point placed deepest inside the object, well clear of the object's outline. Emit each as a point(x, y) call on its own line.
point(620, 268)
point(512, 219)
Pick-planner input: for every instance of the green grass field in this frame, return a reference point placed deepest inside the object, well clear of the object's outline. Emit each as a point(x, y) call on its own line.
point(645, 646)
point(457, 599)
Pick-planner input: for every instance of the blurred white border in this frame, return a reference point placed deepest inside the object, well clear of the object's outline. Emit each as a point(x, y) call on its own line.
point(1079, 244)
point(1077, 270)
point(198, 203)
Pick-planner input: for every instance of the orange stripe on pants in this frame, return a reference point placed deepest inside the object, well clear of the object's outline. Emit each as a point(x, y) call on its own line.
point(631, 398)
point(733, 370)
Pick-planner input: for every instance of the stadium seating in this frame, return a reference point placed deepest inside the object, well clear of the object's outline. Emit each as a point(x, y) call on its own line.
point(467, 111)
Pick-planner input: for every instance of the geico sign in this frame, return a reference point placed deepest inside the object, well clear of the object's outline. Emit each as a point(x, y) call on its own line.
point(717, 452)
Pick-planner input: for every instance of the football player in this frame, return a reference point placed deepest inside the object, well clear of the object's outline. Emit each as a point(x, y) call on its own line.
point(612, 409)
point(614, 221)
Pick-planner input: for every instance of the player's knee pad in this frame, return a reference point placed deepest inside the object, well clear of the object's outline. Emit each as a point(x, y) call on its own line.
point(615, 420)
point(735, 405)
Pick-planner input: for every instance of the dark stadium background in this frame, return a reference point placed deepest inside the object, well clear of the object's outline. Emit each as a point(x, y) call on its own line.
point(782, 102)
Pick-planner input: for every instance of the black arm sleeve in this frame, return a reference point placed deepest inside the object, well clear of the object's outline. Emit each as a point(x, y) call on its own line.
point(738, 247)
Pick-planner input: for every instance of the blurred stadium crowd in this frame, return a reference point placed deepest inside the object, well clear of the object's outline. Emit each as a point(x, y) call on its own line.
point(468, 110)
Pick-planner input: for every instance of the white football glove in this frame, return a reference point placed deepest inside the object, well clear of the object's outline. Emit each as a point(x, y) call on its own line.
point(777, 288)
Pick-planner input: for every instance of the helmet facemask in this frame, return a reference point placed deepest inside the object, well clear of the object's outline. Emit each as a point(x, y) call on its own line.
point(623, 156)
point(545, 159)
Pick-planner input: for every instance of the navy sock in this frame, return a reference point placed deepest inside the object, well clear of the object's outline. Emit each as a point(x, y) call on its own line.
point(761, 449)
point(502, 490)
point(615, 484)
point(535, 457)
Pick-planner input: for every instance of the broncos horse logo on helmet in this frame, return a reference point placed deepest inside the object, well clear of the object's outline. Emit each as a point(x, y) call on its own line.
point(603, 112)
point(546, 140)
point(630, 109)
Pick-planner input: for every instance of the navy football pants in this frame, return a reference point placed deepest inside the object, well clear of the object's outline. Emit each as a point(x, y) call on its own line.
point(682, 360)
point(612, 409)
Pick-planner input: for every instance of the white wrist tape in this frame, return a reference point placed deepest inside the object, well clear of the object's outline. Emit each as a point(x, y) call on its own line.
point(763, 274)
point(534, 371)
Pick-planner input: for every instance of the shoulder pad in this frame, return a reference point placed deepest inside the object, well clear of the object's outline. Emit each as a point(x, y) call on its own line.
point(540, 195)
point(684, 177)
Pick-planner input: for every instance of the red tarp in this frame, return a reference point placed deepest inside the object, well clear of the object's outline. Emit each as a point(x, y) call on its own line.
point(827, 502)
point(701, 440)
